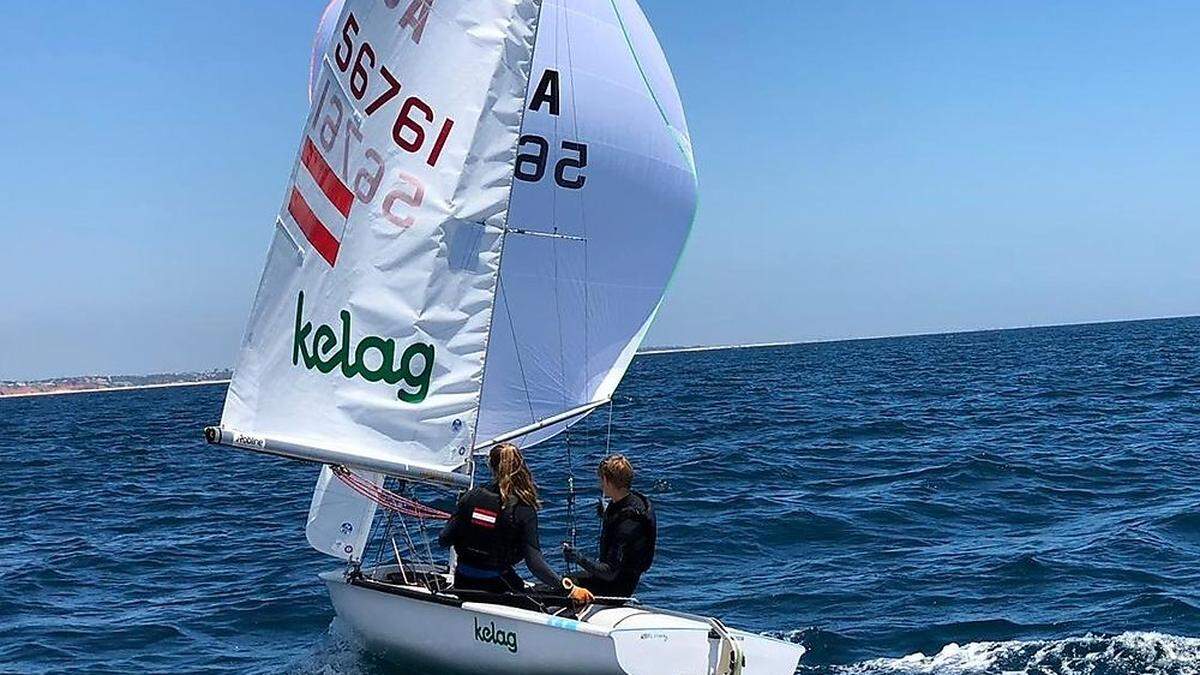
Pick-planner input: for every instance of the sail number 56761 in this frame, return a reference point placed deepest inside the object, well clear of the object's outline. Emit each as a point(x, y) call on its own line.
point(409, 130)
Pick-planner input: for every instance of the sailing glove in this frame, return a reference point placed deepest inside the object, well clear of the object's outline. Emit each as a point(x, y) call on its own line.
point(581, 596)
point(571, 554)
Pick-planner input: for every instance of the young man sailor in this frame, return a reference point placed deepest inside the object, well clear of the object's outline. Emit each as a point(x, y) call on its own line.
point(627, 538)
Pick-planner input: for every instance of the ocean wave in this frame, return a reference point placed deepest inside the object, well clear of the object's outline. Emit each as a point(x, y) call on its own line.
point(1133, 653)
point(901, 495)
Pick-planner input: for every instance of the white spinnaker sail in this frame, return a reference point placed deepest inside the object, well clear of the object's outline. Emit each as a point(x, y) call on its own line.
point(370, 325)
point(571, 310)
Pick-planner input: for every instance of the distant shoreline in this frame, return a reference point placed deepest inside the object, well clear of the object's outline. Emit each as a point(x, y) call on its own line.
point(715, 348)
point(98, 390)
point(651, 351)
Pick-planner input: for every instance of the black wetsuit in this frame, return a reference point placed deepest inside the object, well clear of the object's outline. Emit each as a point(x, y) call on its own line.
point(490, 539)
point(627, 543)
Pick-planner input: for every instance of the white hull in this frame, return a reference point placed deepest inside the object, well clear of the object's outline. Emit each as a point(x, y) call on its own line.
point(417, 628)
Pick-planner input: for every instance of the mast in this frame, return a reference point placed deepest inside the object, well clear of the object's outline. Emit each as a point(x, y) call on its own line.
point(500, 257)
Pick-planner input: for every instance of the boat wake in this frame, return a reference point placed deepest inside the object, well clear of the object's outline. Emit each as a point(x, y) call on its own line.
point(1125, 654)
point(339, 652)
point(1133, 653)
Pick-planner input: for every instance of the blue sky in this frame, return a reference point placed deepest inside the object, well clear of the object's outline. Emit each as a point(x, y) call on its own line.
point(867, 168)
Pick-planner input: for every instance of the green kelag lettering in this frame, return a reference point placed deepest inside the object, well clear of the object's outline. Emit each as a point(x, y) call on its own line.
point(301, 334)
point(387, 356)
point(418, 380)
point(348, 369)
point(326, 351)
point(321, 350)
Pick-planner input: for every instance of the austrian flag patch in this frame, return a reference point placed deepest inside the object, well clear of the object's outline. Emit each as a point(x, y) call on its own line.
point(484, 518)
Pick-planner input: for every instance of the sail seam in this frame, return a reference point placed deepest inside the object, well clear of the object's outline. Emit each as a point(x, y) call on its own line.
point(653, 96)
point(677, 137)
point(583, 221)
point(559, 16)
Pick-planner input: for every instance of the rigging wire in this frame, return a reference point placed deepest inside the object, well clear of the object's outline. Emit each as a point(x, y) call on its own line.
point(408, 540)
point(572, 528)
point(512, 329)
point(424, 532)
point(413, 554)
point(387, 534)
point(562, 370)
point(386, 498)
point(608, 434)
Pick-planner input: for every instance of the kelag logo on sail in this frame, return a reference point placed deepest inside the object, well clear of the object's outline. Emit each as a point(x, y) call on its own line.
point(321, 350)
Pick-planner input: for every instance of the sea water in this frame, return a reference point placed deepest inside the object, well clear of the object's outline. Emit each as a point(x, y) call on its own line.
point(1000, 502)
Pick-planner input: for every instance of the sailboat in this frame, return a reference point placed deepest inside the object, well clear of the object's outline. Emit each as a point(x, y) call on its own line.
point(488, 202)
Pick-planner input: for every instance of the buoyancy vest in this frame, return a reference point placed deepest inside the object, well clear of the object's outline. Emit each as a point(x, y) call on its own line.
point(640, 551)
point(490, 535)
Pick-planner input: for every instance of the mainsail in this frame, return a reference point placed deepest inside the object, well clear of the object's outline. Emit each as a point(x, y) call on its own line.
point(489, 202)
point(368, 334)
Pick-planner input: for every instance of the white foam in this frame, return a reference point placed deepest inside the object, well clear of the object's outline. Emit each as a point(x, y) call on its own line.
point(339, 651)
point(1125, 654)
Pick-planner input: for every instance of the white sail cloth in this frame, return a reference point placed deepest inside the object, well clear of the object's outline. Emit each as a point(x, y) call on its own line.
point(571, 312)
point(339, 519)
point(476, 237)
point(370, 326)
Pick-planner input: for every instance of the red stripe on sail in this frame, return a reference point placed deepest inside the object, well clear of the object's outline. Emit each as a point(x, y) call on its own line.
point(318, 235)
point(333, 187)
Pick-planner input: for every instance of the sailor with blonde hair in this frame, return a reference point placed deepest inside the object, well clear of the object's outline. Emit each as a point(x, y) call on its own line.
point(495, 526)
point(628, 536)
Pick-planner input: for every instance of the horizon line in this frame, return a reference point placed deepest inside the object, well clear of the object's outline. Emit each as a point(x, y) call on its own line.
point(651, 351)
point(645, 351)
